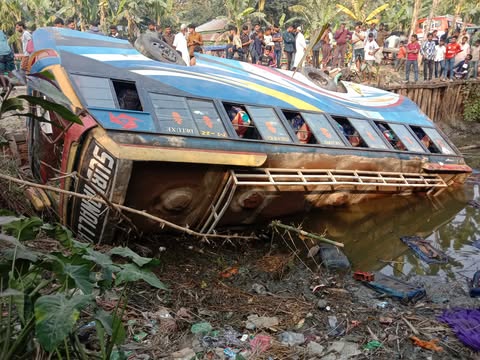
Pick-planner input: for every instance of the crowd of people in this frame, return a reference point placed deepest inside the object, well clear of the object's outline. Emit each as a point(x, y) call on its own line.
point(187, 41)
point(443, 57)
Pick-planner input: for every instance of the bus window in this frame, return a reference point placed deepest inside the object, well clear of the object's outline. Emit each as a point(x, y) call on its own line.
point(368, 134)
point(95, 91)
point(425, 139)
point(207, 118)
point(402, 133)
point(268, 124)
point(347, 129)
point(301, 128)
point(323, 130)
point(127, 95)
point(439, 141)
point(173, 114)
point(242, 122)
point(391, 136)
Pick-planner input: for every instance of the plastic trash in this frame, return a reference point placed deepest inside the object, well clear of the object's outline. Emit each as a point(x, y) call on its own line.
point(229, 353)
point(336, 329)
point(260, 343)
point(140, 336)
point(333, 258)
point(382, 305)
point(201, 328)
point(291, 339)
point(372, 345)
point(429, 345)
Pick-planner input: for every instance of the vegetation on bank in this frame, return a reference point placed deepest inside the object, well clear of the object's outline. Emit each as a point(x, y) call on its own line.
point(46, 296)
point(50, 283)
point(471, 110)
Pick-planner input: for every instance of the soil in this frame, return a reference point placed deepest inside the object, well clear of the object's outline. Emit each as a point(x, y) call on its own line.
point(219, 284)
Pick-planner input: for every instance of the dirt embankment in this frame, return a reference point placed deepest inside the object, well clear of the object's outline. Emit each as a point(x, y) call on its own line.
point(267, 292)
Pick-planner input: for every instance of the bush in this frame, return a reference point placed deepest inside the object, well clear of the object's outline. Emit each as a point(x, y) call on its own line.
point(471, 109)
point(46, 295)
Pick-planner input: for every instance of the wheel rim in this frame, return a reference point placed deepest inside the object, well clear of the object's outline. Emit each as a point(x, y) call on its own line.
point(165, 52)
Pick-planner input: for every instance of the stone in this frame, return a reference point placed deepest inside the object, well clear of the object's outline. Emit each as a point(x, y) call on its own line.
point(261, 322)
point(345, 349)
point(322, 304)
point(184, 354)
point(314, 348)
point(259, 289)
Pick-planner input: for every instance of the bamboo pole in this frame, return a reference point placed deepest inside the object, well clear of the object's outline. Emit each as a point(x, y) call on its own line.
point(163, 222)
point(304, 233)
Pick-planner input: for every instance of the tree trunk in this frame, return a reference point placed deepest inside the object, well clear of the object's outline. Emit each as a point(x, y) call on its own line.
point(103, 17)
point(458, 10)
point(430, 16)
point(416, 9)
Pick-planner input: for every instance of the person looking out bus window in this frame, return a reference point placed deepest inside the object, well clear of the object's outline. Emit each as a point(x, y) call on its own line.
point(240, 120)
point(301, 129)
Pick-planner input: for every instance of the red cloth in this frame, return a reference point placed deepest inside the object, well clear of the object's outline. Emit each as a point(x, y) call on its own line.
point(452, 50)
point(413, 47)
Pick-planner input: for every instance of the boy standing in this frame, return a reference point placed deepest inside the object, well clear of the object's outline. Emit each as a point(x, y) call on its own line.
point(401, 56)
point(440, 59)
point(413, 48)
point(371, 48)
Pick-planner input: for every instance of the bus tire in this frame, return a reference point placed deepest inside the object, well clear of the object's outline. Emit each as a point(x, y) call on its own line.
point(154, 48)
point(319, 78)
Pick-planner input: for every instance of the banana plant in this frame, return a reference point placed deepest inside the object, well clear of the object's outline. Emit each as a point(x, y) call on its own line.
point(358, 11)
point(315, 13)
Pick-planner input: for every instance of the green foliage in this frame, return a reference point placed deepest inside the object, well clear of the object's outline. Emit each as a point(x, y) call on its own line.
point(471, 110)
point(24, 229)
point(137, 259)
point(71, 275)
point(55, 316)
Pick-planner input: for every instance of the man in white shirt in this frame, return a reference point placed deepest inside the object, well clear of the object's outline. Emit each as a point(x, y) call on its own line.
point(358, 42)
point(440, 58)
point(371, 48)
point(300, 46)
point(465, 46)
point(26, 37)
point(180, 44)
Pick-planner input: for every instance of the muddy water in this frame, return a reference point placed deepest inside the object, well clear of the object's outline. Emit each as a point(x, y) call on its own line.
point(371, 232)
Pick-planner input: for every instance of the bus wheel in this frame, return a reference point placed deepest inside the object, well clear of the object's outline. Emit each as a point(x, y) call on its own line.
point(154, 48)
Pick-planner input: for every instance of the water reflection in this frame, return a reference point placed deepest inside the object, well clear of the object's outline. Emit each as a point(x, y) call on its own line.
point(371, 231)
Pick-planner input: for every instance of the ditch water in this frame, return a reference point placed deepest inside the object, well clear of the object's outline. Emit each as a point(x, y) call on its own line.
point(371, 231)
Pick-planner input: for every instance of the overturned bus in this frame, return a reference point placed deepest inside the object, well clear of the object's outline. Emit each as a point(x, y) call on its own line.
point(223, 142)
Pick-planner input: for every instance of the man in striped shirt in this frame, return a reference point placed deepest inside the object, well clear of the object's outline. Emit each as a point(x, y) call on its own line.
point(428, 53)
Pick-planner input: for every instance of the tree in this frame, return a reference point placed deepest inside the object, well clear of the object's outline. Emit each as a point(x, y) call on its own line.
point(315, 13)
point(358, 11)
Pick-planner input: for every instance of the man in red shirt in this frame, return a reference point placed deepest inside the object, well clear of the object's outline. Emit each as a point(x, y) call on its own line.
point(341, 36)
point(413, 48)
point(453, 48)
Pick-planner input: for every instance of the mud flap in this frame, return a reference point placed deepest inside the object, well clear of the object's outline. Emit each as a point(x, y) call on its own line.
point(97, 168)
